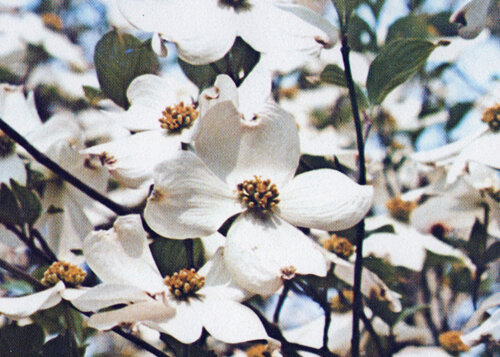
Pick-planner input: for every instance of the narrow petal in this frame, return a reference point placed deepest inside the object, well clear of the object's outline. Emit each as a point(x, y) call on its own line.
point(105, 295)
point(121, 255)
point(12, 167)
point(148, 312)
point(484, 150)
point(257, 250)
point(185, 326)
point(324, 199)
point(471, 18)
point(188, 199)
point(24, 306)
point(131, 160)
point(203, 31)
point(230, 322)
point(489, 330)
point(236, 149)
point(488, 303)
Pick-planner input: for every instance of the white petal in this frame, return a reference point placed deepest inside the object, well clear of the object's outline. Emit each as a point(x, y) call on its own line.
point(16, 110)
point(236, 149)
point(324, 199)
point(212, 243)
point(188, 199)
point(203, 31)
point(12, 167)
point(158, 45)
point(186, 325)
point(105, 295)
point(122, 256)
point(255, 90)
point(230, 322)
point(489, 329)
point(24, 306)
point(149, 312)
point(286, 27)
point(488, 303)
point(131, 160)
point(484, 150)
point(413, 351)
point(257, 250)
point(471, 18)
point(223, 90)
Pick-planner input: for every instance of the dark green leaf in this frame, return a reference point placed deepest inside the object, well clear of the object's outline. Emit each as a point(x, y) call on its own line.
point(17, 287)
point(93, 95)
point(439, 70)
point(10, 212)
point(409, 311)
point(411, 26)
point(441, 26)
point(333, 74)
point(237, 63)
point(457, 112)
point(388, 228)
point(54, 210)
point(397, 62)
point(119, 58)
point(476, 245)
point(492, 253)
point(62, 345)
point(170, 254)
point(28, 201)
point(18, 341)
point(361, 36)
point(345, 9)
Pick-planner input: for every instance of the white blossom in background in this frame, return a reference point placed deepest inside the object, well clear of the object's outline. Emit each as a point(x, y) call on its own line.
point(204, 30)
point(471, 18)
point(122, 260)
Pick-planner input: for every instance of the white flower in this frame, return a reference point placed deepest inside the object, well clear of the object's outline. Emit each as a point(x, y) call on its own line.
point(131, 159)
point(122, 260)
point(237, 154)
point(204, 30)
point(471, 18)
point(488, 330)
point(413, 351)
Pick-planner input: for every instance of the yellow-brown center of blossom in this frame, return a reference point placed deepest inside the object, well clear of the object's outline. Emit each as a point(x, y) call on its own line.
point(6, 145)
point(338, 245)
point(400, 209)
point(258, 195)
point(236, 4)
point(452, 342)
point(491, 116)
point(185, 283)
point(177, 117)
point(342, 302)
point(288, 273)
point(259, 350)
point(63, 271)
point(52, 21)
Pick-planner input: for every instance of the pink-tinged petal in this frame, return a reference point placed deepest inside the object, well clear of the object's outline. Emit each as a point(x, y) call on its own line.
point(371, 285)
point(105, 295)
point(259, 252)
point(287, 27)
point(188, 199)
point(131, 160)
point(202, 30)
point(218, 280)
point(237, 148)
point(230, 322)
point(471, 18)
point(186, 326)
point(121, 255)
point(24, 306)
point(324, 199)
point(149, 312)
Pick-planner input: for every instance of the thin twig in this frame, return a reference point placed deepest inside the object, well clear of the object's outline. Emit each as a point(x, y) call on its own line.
point(29, 243)
point(376, 339)
point(43, 243)
point(360, 227)
point(22, 275)
point(61, 172)
point(281, 300)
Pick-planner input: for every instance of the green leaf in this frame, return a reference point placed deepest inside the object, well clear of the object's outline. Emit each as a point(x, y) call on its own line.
point(387, 228)
point(93, 95)
point(333, 74)
point(170, 254)
point(361, 36)
point(237, 63)
point(17, 287)
point(457, 112)
point(29, 202)
point(476, 244)
point(492, 253)
point(345, 9)
point(62, 345)
point(410, 311)
point(10, 212)
point(411, 26)
point(119, 58)
point(397, 62)
point(16, 341)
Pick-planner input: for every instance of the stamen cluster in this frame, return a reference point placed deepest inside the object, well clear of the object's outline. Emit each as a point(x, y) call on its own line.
point(177, 117)
point(339, 245)
point(258, 195)
point(63, 271)
point(342, 302)
point(491, 116)
point(452, 342)
point(6, 145)
point(400, 209)
point(185, 283)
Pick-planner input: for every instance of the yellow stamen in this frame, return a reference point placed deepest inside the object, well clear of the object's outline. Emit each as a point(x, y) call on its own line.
point(400, 209)
point(452, 342)
point(338, 245)
point(342, 302)
point(491, 116)
point(259, 350)
point(185, 283)
point(177, 117)
point(258, 195)
point(63, 271)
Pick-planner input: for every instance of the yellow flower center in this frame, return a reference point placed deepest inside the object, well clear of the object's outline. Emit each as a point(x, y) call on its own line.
point(342, 302)
point(185, 283)
point(6, 145)
point(338, 245)
point(259, 350)
point(177, 117)
point(258, 195)
point(288, 273)
point(452, 342)
point(63, 271)
point(400, 209)
point(491, 116)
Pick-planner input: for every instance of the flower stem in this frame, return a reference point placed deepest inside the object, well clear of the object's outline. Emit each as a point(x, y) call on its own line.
point(43, 243)
point(65, 175)
point(360, 227)
point(281, 300)
point(21, 274)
